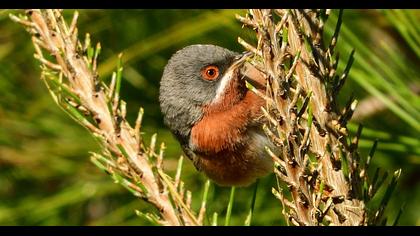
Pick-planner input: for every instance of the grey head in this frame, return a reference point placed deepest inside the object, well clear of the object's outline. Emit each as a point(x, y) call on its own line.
point(183, 91)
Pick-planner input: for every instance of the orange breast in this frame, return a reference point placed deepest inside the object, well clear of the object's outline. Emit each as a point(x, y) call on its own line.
point(240, 167)
point(222, 139)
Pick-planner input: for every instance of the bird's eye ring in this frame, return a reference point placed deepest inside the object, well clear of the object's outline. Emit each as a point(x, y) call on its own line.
point(210, 72)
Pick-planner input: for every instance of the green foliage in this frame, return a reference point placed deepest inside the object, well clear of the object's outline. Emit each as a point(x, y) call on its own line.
point(45, 174)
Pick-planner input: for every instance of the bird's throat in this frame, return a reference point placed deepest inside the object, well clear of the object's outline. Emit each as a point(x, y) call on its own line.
point(233, 92)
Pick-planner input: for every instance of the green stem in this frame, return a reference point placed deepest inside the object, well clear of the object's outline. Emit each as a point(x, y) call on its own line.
point(230, 205)
point(251, 209)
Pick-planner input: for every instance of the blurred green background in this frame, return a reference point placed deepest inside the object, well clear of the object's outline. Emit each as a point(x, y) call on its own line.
point(46, 177)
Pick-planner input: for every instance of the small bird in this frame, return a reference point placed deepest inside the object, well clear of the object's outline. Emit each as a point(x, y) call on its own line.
point(216, 119)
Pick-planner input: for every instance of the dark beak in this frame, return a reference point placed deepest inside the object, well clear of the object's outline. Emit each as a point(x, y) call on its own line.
point(240, 71)
point(247, 71)
point(245, 54)
point(240, 60)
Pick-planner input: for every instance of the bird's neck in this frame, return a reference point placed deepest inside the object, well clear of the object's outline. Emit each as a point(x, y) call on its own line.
point(232, 95)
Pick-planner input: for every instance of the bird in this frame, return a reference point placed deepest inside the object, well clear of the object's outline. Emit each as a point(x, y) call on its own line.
point(216, 119)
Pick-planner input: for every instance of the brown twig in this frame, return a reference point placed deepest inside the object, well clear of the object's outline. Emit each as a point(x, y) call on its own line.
point(293, 58)
point(124, 155)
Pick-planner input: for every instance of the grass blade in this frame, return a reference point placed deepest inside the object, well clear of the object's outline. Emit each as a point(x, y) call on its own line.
point(251, 209)
point(230, 205)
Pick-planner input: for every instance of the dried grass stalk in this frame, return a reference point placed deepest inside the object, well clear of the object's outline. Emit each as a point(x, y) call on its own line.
point(69, 71)
point(318, 161)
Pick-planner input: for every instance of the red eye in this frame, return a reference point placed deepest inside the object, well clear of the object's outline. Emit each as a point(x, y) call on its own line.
point(210, 72)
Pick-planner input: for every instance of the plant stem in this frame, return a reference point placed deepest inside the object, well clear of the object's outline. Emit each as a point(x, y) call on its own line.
point(230, 205)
